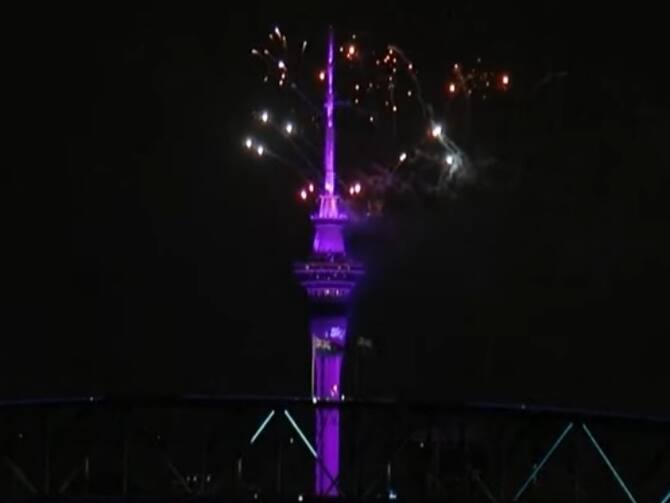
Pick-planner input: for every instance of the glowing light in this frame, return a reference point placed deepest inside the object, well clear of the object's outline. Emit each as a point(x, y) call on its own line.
point(356, 101)
point(372, 119)
point(260, 150)
point(437, 131)
point(351, 191)
point(609, 464)
point(301, 434)
point(265, 116)
point(254, 52)
point(248, 143)
point(505, 80)
point(452, 88)
point(351, 50)
point(456, 67)
point(277, 31)
point(409, 93)
point(538, 466)
point(261, 427)
point(357, 188)
point(311, 187)
point(303, 194)
point(450, 159)
point(288, 128)
point(357, 87)
point(281, 65)
point(329, 188)
point(410, 67)
point(403, 157)
point(395, 108)
point(322, 75)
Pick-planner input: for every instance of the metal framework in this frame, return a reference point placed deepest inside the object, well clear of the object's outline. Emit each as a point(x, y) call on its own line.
point(261, 449)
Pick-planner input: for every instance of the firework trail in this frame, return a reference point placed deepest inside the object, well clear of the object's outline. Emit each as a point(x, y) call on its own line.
point(398, 142)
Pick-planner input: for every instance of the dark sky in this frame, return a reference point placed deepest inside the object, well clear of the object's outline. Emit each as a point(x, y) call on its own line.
point(147, 255)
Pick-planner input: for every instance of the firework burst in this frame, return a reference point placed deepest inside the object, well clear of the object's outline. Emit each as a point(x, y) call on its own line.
point(389, 135)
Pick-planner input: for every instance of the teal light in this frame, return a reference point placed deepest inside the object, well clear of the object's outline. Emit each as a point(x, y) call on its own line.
point(544, 461)
point(666, 498)
point(302, 435)
point(261, 427)
point(609, 464)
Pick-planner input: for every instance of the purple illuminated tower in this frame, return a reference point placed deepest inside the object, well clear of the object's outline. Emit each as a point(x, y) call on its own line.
point(328, 277)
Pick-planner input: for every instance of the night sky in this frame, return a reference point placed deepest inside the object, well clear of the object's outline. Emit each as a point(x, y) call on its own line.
point(148, 255)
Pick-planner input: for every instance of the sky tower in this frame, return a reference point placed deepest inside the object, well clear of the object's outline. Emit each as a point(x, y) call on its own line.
point(329, 277)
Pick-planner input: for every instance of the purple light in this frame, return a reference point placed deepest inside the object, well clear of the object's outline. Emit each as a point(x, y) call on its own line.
point(329, 160)
point(325, 280)
point(327, 369)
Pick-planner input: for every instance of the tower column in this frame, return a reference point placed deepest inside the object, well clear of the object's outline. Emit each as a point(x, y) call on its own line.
point(328, 277)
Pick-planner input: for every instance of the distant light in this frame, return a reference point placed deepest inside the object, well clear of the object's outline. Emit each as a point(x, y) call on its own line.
point(303, 194)
point(395, 108)
point(357, 87)
point(456, 66)
point(281, 65)
point(393, 495)
point(351, 50)
point(505, 80)
point(265, 116)
point(314, 400)
point(452, 88)
point(329, 188)
point(300, 498)
point(248, 143)
point(288, 128)
point(372, 119)
point(357, 188)
point(322, 75)
point(356, 101)
point(351, 191)
point(260, 150)
point(437, 131)
point(277, 31)
point(410, 67)
point(409, 93)
point(311, 187)
point(403, 157)
point(450, 159)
